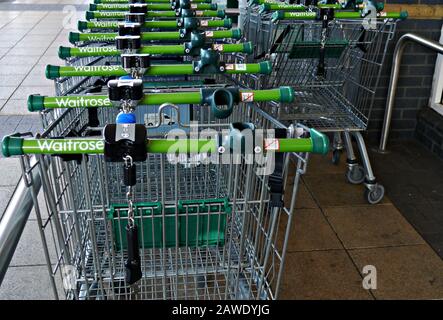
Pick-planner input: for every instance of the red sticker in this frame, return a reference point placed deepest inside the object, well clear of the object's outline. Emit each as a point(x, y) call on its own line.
point(272, 144)
point(247, 96)
point(218, 47)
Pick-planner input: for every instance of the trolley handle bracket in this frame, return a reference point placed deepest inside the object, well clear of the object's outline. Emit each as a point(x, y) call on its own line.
point(209, 63)
point(188, 23)
point(128, 44)
point(135, 17)
point(197, 41)
point(125, 93)
point(136, 64)
point(186, 13)
point(129, 29)
point(138, 8)
point(124, 139)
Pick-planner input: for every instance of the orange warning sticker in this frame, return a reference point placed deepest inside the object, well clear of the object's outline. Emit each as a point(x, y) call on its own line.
point(272, 144)
point(247, 96)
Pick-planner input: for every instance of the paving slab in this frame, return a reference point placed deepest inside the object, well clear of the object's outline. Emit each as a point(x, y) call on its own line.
point(14, 107)
point(16, 284)
point(6, 92)
point(5, 195)
point(372, 226)
point(29, 250)
point(8, 81)
point(309, 231)
point(333, 190)
point(408, 272)
point(10, 172)
point(23, 92)
point(322, 275)
point(18, 60)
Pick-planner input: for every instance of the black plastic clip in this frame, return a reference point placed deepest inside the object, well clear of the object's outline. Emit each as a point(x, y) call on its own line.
point(128, 43)
point(129, 29)
point(125, 91)
point(138, 8)
point(275, 181)
point(121, 140)
point(135, 17)
point(135, 64)
point(132, 264)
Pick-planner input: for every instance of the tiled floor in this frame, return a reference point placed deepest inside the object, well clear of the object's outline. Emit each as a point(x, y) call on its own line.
point(335, 233)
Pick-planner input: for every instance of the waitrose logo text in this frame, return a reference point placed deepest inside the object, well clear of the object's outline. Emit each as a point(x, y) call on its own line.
point(70, 146)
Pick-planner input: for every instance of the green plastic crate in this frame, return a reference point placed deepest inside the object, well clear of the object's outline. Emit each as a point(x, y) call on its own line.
point(201, 218)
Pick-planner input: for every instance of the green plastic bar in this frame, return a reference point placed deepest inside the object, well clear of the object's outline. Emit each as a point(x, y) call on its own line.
point(274, 2)
point(148, 1)
point(283, 15)
point(265, 7)
point(39, 103)
point(53, 72)
point(120, 15)
point(12, 145)
point(166, 24)
point(180, 49)
point(75, 37)
point(150, 7)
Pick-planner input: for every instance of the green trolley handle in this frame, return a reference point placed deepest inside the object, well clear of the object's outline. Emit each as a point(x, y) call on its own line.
point(39, 103)
point(180, 49)
point(266, 7)
point(148, 1)
point(54, 72)
point(166, 24)
point(284, 15)
point(75, 37)
point(15, 145)
point(120, 15)
point(149, 6)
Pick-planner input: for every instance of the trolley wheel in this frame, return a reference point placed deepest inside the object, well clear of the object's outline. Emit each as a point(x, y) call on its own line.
point(336, 156)
point(375, 193)
point(356, 174)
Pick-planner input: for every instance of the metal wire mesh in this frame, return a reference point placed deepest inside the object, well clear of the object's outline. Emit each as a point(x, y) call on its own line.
point(341, 97)
point(238, 253)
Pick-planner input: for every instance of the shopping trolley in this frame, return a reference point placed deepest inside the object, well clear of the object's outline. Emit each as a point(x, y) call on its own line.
point(333, 60)
point(206, 229)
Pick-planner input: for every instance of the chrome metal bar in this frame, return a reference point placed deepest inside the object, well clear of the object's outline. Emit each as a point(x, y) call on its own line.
point(395, 69)
point(15, 217)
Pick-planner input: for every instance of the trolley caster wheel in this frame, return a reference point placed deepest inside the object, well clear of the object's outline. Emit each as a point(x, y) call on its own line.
point(336, 156)
point(356, 174)
point(375, 193)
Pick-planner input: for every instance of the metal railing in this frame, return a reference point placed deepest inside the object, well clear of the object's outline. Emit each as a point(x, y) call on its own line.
point(396, 61)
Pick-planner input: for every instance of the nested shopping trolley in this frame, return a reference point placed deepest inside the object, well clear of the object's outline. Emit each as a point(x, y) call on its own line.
point(211, 224)
point(333, 60)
